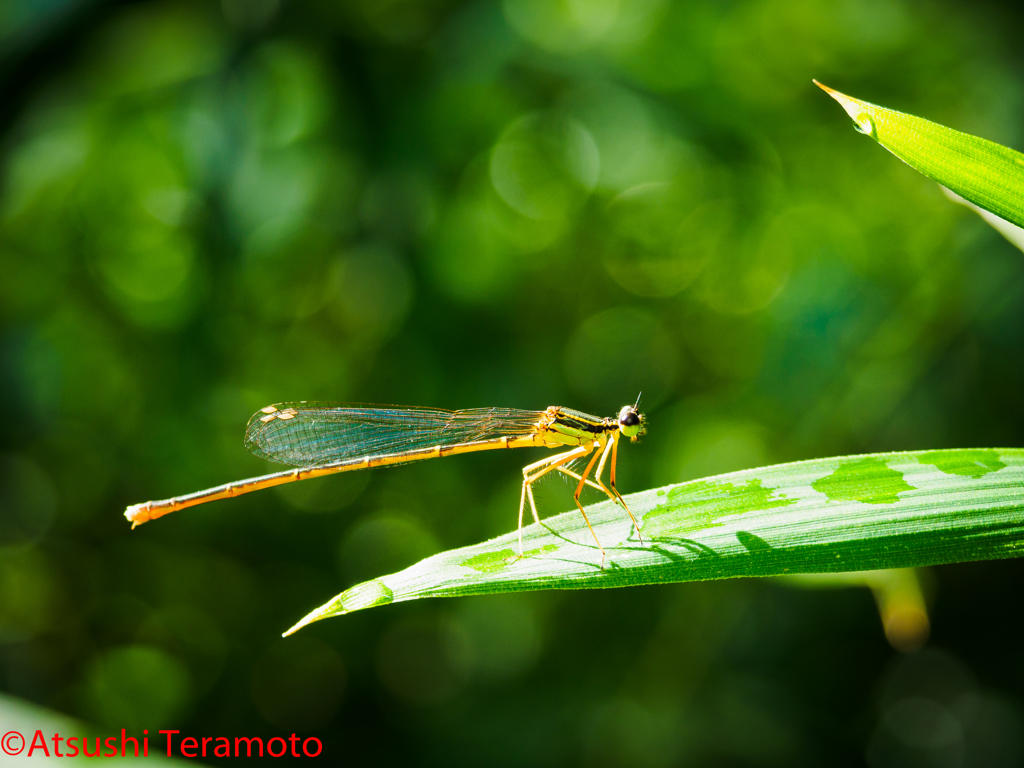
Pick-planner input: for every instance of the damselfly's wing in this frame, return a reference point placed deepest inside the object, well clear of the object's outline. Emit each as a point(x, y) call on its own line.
point(310, 434)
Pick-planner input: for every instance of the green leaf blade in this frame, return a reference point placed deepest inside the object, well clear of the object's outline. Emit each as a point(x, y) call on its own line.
point(892, 510)
point(986, 173)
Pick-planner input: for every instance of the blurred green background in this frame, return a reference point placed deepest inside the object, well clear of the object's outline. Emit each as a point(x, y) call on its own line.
point(209, 207)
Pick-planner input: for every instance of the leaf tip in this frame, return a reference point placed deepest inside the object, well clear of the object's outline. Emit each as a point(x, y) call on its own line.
point(845, 101)
point(366, 595)
point(855, 108)
point(308, 619)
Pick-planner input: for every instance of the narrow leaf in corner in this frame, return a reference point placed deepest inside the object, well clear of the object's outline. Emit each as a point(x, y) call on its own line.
point(987, 174)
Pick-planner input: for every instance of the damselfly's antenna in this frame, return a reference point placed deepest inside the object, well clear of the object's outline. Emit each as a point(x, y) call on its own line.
point(637, 404)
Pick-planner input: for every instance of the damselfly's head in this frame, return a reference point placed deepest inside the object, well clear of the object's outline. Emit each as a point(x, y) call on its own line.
point(631, 422)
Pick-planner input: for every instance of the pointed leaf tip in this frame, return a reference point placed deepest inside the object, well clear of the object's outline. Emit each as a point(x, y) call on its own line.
point(830, 91)
point(365, 595)
point(855, 108)
point(316, 615)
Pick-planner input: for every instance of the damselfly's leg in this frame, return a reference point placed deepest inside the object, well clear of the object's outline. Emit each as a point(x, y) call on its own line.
point(535, 471)
point(576, 476)
point(600, 465)
point(557, 461)
point(522, 503)
point(611, 449)
point(576, 498)
point(611, 482)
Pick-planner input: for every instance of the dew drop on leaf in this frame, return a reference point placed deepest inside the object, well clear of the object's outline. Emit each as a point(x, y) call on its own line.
point(864, 124)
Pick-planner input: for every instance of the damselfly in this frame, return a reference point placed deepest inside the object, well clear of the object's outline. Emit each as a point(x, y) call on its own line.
point(323, 438)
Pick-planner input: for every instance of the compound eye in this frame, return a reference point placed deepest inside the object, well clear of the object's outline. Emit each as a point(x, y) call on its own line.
point(629, 422)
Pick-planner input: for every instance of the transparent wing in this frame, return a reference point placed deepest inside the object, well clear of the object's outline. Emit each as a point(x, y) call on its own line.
point(311, 434)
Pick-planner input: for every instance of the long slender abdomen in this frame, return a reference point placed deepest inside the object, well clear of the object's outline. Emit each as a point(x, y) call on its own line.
point(138, 514)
